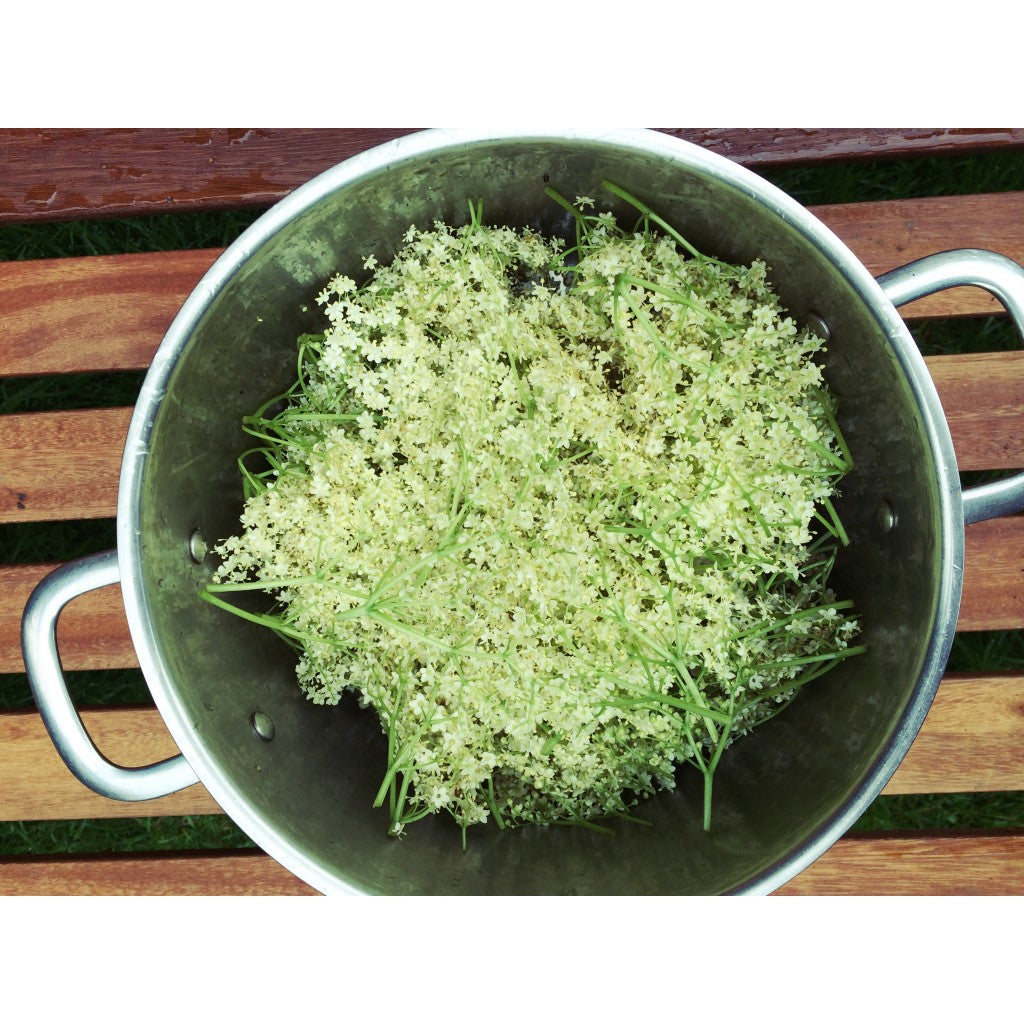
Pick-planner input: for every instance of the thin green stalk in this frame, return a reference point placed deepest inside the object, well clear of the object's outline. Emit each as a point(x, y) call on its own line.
point(810, 659)
point(663, 224)
point(826, 407)
point(833, 524)
point(298, 581)
point(648, 699)
point(776, 624)
point(679, 298)
point(270, 621)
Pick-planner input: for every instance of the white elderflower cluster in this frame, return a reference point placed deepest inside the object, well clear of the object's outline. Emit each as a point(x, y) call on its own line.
point(562, 519)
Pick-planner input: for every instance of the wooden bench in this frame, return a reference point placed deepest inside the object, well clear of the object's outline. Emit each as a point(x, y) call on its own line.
point(101, 313)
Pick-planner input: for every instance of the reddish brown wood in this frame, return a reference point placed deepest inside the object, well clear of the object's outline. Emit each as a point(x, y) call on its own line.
point(234, 873)
point(885, 235)
point(63, 173)
point(972, 740)
point(35, 784)
point(92, 631)
point(982, 396)
point(775, 147)
point(92, 313)
point(926, 864)
point(993, 594)
point(61, 465)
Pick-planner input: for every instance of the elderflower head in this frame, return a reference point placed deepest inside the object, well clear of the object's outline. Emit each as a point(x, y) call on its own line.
point(552, 524)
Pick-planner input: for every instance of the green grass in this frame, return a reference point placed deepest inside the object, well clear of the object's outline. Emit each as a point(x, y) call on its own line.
point(106, 236)
point(911, 178)
point(852, 181)
point(70, 391)
point(984, 811)
point(124, 835)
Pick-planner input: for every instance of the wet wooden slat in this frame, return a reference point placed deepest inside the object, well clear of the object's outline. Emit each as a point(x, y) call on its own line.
point(53, 174)
point(63, 173)
point(775, 147)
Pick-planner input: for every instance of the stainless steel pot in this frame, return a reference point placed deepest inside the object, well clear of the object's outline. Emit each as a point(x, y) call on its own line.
point(300, 779)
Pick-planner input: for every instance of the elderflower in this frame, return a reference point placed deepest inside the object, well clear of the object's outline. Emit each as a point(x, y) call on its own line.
point(564, 528)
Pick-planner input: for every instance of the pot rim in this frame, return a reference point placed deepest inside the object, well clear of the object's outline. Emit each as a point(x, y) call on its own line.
point(415, 147)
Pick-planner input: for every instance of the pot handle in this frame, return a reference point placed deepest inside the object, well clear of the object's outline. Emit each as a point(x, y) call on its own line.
point(1005, 280)
point(46, 677)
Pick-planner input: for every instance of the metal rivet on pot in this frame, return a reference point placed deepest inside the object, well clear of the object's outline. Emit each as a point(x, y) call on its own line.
point(885, 516)
point(816, 324)
point(197, 547)
point(263, 725)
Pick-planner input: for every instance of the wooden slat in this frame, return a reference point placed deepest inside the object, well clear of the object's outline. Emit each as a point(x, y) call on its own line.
point(111, 312)
point(35, 785)
point(928, 864)
point(983, 398)
point(61, 465)
point(885, 235)
point(238, 873)
point(775, 147)
point(916, 865)
point(51, 174)
point(92, 631)
point(56, 174)
point(92, 313)
point(993, 594)
point(972, 740)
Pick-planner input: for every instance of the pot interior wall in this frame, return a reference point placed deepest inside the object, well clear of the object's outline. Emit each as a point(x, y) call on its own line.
point(313, 783)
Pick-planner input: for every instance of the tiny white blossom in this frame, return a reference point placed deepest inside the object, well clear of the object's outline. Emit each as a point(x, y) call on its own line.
point(530, 516)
